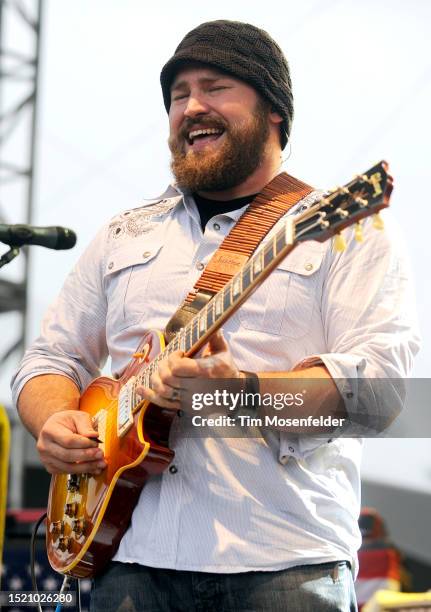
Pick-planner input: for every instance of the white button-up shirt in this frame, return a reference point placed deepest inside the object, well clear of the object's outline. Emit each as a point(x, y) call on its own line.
point(249, 503)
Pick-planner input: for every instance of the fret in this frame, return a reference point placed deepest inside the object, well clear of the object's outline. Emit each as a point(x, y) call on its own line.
point(218, 307)
point(246, 276)
point(226, 297)
point(195, 331)
point(268, 254)
point(176, 342)
point(236, 286)
point(210, 314)
point(281, 242)
point(202, 322)
point(188, 338)
point(181, 340)
point(257, 265)
point(146, 378)
point(150, 372)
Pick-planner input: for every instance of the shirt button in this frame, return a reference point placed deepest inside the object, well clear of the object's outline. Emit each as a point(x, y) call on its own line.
point(111, 265)
point(200, 266)
point(308, 267)
point(173, 469)
point(292, 450)
point(216, 226)
point(146, 254)
point(349, 395)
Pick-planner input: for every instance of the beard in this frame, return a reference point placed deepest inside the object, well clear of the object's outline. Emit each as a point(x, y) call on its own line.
point(230, 164)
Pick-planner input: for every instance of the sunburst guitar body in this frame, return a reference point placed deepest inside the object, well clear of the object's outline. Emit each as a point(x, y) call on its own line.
point(87, 514)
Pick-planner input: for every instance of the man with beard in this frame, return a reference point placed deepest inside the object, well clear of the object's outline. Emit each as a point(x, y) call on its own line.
point(236, 523)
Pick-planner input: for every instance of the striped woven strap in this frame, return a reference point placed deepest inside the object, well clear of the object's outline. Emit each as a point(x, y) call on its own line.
point(283, 192)
point(274, 201)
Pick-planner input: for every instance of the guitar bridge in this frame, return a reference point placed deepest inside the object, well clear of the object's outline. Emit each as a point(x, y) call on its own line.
point(125, 407)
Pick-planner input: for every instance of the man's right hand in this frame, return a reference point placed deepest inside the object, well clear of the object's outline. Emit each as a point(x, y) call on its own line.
point(66, 446)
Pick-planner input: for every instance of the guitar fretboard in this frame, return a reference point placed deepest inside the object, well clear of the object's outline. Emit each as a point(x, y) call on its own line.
point(324, 218)
point(188, 339)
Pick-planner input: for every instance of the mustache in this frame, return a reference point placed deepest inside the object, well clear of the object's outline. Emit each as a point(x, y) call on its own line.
point(207, 122)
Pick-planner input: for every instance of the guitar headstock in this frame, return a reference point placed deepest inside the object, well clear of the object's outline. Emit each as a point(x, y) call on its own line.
point(365, 195)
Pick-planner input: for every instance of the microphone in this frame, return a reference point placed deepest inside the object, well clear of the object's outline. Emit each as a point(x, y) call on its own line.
point(58, 238)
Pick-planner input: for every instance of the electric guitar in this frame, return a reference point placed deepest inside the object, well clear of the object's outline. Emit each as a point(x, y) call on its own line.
point(88, 515)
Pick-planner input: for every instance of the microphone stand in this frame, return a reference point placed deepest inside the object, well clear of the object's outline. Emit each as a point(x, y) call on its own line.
point(8, 256)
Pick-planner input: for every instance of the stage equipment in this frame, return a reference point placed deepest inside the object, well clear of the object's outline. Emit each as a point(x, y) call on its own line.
point(58, 238)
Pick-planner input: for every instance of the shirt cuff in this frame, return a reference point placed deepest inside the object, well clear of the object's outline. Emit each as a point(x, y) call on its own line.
point(346, 370)
point(81, 378)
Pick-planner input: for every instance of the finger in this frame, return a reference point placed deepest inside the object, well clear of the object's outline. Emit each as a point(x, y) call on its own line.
point(186, 368)
point(59, 434)
point(217, 343)
point(83, 423)
point(70, 428)
point(162, 390)
point(153, 397)
point(166, 375)
point(70, 455)
point(55, 466)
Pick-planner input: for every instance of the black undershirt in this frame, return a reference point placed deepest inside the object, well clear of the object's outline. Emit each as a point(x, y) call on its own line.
point(209, 208)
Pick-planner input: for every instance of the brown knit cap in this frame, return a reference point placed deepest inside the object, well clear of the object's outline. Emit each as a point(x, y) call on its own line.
point(246, 52)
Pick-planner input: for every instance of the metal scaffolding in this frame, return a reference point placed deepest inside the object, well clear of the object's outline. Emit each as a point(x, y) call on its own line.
point(19, 68)
point(20, 37)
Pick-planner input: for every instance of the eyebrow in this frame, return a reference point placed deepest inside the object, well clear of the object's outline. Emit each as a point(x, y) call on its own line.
point(203, 81)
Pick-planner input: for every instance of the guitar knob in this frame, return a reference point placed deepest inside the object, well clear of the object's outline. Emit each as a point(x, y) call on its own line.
point(71, 509)
point(64, 544)
point(78, 526)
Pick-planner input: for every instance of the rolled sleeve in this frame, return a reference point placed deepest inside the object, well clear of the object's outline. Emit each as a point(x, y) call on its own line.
point(72, 342)
point(370, 327)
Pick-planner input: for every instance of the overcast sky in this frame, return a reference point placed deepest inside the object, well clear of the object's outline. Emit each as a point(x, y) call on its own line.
point(362, 83)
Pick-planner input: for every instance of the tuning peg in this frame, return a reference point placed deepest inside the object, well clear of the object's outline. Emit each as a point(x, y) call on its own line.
point(339, 243)
point(362, 203)
point(363, 177)
point(358, 232)
point(343, 213)
point(378, 222)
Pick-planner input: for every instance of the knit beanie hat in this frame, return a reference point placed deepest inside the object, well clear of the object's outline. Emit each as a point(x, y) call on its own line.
point(244, 51)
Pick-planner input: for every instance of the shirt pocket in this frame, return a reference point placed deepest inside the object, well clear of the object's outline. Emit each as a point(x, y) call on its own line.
point(285, 302)
point(127, 274)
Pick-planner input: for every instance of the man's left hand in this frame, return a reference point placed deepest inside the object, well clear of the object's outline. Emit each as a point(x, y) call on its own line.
point(174, 382)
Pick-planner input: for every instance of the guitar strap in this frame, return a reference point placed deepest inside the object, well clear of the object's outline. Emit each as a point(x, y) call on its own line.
point(274, 201)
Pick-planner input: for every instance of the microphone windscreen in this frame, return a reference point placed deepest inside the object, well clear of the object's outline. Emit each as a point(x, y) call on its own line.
point(66, 238)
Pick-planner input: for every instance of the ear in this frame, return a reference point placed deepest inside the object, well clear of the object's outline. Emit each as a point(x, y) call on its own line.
point(274, 117)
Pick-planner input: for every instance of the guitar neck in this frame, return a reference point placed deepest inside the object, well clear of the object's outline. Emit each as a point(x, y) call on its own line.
point(224, 303)
point(365, 195)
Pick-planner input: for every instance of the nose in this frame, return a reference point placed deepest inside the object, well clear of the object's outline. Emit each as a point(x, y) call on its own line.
point(196, 105)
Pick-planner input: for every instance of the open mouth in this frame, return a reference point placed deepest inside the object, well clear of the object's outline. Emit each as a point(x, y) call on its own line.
point(203, 136)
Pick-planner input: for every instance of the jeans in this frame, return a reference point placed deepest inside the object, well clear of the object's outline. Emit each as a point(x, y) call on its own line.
point(125, 587)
